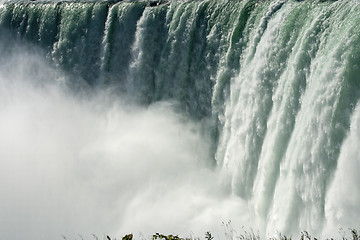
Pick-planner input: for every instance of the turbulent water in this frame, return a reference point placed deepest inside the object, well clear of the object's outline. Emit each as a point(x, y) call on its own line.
point(178, 117)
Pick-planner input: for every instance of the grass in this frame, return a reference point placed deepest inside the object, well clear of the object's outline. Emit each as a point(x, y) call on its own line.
point(352, 234)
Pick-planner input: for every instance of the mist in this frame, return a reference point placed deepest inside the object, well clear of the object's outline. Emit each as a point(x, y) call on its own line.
point(76, 161)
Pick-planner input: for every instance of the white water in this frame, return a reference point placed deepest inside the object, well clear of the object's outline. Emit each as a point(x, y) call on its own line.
point(342, 208)
point(277, 81)
point(88, 163)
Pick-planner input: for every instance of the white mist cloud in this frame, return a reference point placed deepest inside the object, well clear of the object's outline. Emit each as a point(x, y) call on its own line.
point(88, 163)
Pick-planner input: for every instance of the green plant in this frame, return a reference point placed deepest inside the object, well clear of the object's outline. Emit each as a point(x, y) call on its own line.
point(128, 237)
point(355, 234)
point(168, 237)
point(208, 236)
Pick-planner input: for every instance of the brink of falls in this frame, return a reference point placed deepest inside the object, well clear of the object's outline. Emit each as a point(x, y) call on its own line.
point(275, 86)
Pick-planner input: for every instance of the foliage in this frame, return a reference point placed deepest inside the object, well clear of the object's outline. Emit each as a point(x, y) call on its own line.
point(164, 237)
point(231, 234)
point(208, 236)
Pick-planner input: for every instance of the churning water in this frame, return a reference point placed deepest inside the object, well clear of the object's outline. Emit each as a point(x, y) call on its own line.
point(120, 117)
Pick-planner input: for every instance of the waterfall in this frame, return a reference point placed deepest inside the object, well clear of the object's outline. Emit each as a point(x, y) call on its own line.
point(273, 85)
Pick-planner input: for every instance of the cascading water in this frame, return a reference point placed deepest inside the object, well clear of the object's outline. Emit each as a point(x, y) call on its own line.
point(271, 87)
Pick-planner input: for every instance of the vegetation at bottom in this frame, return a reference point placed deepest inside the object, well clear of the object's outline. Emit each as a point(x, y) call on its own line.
point(352, 234)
